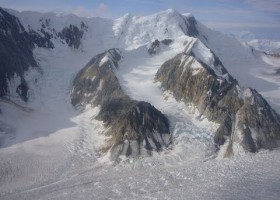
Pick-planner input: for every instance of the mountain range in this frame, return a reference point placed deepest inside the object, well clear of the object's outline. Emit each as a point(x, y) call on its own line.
point(115, 91)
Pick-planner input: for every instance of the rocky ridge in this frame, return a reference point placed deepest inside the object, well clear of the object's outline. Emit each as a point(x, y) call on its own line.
point(198, 77)
point(16, 53)
point(17, 44)
point(135, 127)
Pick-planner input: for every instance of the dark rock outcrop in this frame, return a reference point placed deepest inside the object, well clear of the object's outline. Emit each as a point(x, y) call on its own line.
point(17, 44)
point(155, 45)
point(136, 128)
point(190, 23)
point(22, 90)
point(166, 41)
point(73, 35)
point(41, 41)
point(16, 53)
point(245, 118)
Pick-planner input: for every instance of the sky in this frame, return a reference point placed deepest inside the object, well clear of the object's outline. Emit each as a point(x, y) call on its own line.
point(253, 18)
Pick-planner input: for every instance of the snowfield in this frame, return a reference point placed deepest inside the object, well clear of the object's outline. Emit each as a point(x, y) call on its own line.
point(52, 150)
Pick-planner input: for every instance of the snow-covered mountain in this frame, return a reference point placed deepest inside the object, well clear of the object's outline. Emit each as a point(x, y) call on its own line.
point(269, 52)
point(78, 93)
point(269, 47)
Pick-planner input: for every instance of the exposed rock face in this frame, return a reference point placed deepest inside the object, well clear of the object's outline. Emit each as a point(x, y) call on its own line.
point(73, 35)
point(17, 44)
point(262, 123)
point(41, 41)
point(191, 23)
point(245, 118)
point(136, 128)
point(22, 90)
point(154, 46)
point(96, 83)
point(15, 51)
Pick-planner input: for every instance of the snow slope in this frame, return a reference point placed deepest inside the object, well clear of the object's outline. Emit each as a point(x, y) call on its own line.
point(51, 151)
point(268, 51)
point(244, 64)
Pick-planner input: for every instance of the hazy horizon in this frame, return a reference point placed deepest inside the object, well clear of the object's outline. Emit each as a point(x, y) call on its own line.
point(256, 18)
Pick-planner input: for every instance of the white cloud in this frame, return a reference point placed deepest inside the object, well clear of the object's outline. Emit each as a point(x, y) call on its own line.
point(101, 9)
point(224, 11)
point(81, 11)
point(98, 11)
point(147, 2)
point(265, 5)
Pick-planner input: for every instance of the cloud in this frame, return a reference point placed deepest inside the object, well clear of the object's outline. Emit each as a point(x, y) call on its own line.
point(146, 2)
point(81, 11)
point(224, 11)
point(101, 9)
point(98, 11)
point(265, 5)
point(239, 25)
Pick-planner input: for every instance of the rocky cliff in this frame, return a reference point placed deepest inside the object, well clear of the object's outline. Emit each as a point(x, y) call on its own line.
point(17, 44)
point(198, 77)
point(135, 127)
point(16, 53)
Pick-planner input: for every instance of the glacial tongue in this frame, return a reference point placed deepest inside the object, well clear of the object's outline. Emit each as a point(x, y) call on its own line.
point(135, 127)
point(198, 77)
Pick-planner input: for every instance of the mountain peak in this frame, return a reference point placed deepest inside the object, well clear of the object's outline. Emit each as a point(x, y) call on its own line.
point(171, 10)
point(188, 15)
point(124, 19)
